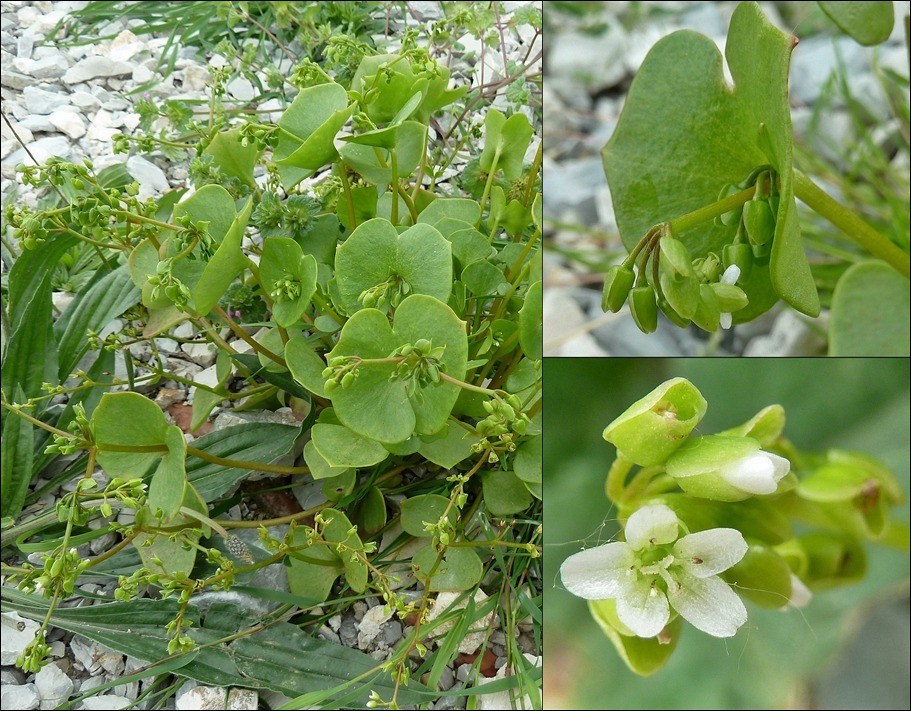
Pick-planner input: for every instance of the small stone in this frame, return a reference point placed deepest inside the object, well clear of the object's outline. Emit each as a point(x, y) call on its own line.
point(106, 702)
point(392, 633)
point(371, 624)
point(348, 631)
point(44, 68)
point(24, 45)
point(274, 107)
point(191, 696)
point(18, 632)
point(58, 649)
point(68, 122)
point(472, 640)
point(241, 89)
point(124, 46)
point(243, 700)
point(335, 622)
point(152, 180)
point(96, 66)
point(501, 699)
point(39, 101)
point(327, 634)
point(195, 77)
point(53, 686)
point(22, 698)
point(84, 100)
point(15, 80)
point(36, 123)
point(142, 74)
point(200, 353)
point(11, 677)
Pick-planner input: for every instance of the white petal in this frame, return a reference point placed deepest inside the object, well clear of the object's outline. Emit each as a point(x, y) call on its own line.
point(599, 573)
point(731, 275)
point(758, 473)
point(726, 319)
point(650, 525)
point(644, 609)
point(800, 593)
point(709, 552)
point(708, 604)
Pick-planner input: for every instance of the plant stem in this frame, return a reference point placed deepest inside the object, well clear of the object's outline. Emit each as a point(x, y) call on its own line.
point(848, 222)
point(710, 212)
point(616, 479)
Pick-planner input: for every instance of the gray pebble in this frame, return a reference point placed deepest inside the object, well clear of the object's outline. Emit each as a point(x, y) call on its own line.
point(348, 631)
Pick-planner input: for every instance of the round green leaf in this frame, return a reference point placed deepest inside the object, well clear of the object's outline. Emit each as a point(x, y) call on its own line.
point(375, 252)
point(337, 487)
point(309, 126)
point(319, 467)
point(463, 209)
point(504, 493)
point(166, 490)
point(341, 447)
point(380, 408)
point(283, 258)
point(338, 529)
point(452, 448)
point(233, 158)
point(460, 569)
point(418, 510)
point(531, 320)
point(370, 512)
point(305, 365)
point(312, 570)
point(527, 465)
point(128, 419)
point(871, 312)
point(867, 22)
point(375, 164)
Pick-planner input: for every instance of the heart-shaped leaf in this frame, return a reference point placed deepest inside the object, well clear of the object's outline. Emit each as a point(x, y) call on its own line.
point(870, 312)
point(504, 493)
point(286, 269)
point(307, 131)
point(380, 408)
point(376, 253)
point(867, 22)
point(375, 164)
point(341, 447)
point(460, 569)
point(421, 509)
point(684, 135)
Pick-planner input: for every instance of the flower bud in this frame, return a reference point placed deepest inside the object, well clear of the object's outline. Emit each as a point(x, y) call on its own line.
point(652, 428)
point(726, 468)
point(739, 254)
point(644, 308)
point(617, 284)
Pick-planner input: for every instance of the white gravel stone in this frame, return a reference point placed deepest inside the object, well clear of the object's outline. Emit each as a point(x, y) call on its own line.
point(50, 67)
point(40, 101)
point(200, 353)
point(105, 702)
point(142, 74)
point(501, 699)
point(241, 89)
point(53, 686)
point(96, 66)
point(472, 640)
point(85, 100)
point(17, 633)
point(22, 698)
point(243, 700)
point(190, 696)
point(124, 46)
point(15, 80)
point(68, 122)
point(371, 625)
point(152, 180)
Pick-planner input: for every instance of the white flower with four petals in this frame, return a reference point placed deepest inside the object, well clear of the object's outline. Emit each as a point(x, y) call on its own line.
point(656, 569)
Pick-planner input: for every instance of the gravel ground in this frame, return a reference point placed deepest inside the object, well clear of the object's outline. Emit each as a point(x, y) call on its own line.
point(591, 59)
point(69, 102)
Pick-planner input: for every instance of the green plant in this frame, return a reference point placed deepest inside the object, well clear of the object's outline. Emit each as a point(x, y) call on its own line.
point(402, 322)
point(709, 519)
point(704, 187)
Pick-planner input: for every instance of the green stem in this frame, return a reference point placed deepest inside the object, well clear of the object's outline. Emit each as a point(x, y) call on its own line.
point(394, 160)
point(848, 222)
point(487, 186)
point(533, 175)
point(615, 486)
point(710, 212)
point(346, 187)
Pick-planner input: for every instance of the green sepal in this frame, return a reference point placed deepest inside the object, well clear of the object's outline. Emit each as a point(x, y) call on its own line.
point(652, 428)
point(617, 284)
point(643, 655)
point(644, 308)
point(762, 576)
point(697, 463)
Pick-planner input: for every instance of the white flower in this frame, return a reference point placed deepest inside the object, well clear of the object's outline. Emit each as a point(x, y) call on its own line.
point(730, 276)
point(757, 473)
point(656, 569)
